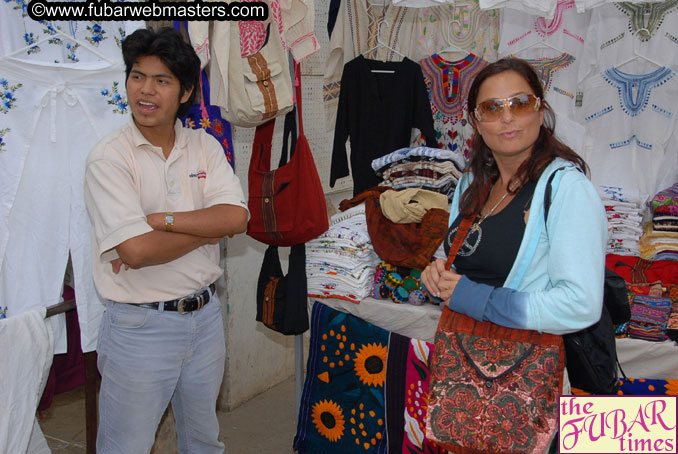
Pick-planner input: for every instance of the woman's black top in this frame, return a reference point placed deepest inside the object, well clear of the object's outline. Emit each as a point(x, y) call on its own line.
point(489, 251)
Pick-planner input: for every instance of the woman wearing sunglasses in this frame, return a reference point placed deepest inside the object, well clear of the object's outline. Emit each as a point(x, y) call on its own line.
point(517, 267)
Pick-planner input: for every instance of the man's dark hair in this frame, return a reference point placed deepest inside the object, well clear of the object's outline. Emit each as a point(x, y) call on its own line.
point(168, 45)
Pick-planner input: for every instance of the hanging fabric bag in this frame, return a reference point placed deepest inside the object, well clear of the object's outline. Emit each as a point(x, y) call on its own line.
point(492, 388)
point(259, 85)
point(206, 116)
point(287, 205)
point(209, 118)
point(282, 300)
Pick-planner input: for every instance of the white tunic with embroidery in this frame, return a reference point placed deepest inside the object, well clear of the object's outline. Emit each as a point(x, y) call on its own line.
point(462, 25)
point(565, 31)
point(622, 31)
point(83, 44)
point(583, 5)
point(558, 74)
point(545, 8)
point(57, 98)
point(448, 83)
point(630, 121)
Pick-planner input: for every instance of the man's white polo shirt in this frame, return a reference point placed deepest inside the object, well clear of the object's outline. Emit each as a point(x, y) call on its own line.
point(127, 178)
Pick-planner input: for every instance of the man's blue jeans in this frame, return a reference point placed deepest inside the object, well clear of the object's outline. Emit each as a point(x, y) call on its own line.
point(148, 357)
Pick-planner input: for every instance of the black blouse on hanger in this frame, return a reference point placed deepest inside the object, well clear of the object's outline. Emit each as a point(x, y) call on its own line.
point(379, 104)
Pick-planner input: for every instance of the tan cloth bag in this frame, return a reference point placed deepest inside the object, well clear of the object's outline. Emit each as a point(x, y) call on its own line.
point(259, 85)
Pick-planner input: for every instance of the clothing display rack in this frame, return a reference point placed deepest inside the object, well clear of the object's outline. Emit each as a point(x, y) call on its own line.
point(90, 382)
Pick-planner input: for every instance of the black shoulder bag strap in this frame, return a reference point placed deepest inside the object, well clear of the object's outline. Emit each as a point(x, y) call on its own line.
point(547, 193)
point(547, 205)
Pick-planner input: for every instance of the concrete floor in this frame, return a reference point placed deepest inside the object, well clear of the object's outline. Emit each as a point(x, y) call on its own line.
point(265, 424)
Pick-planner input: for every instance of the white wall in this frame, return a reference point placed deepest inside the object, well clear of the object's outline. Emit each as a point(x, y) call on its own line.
point(258, 358)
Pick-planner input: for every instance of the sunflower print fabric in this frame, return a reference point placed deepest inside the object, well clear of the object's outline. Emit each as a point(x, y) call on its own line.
point(342, 406)
point(647, 387)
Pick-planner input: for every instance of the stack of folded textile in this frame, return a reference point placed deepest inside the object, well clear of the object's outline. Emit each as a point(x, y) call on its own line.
point(660, 238)
point(624, 209)
point(649, 316)
point(672, 324)
point(340, 263)
point(422, 167)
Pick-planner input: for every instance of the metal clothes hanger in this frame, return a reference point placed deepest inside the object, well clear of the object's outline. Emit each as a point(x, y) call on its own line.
point(541, 44)
point(638, 57)
point(380, 43)
point(63, 35)
point(451, 47)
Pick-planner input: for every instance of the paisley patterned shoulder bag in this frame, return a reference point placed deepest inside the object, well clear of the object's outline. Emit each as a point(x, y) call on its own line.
point(492, 388)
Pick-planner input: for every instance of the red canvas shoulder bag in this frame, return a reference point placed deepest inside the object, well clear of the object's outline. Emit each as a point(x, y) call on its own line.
point(287, 205)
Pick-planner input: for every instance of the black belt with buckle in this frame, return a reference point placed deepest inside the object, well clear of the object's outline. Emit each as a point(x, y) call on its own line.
point(186, 304)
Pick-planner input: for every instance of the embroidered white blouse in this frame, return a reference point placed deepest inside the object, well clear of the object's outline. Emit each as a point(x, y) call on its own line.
point(463, 25)
point(545, 8)
point(622, 31)
point(558, 74)
point(448, 83)
point(85, 44)
point(565, 31)
point(630, 122)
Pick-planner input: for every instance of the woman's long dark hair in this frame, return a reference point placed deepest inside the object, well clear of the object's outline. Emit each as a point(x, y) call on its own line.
point(482, 163)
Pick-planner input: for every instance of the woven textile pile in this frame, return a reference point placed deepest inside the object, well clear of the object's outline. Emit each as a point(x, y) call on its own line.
point(649, 316)
point(624, 209)
point(421, 167)
point(341, 262)
point(660, 238)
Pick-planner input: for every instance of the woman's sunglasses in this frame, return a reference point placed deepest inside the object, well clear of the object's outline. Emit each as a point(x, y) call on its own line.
point(519, 105)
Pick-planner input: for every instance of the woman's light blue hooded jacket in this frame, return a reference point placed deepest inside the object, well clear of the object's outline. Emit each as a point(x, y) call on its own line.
point(556, 282)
